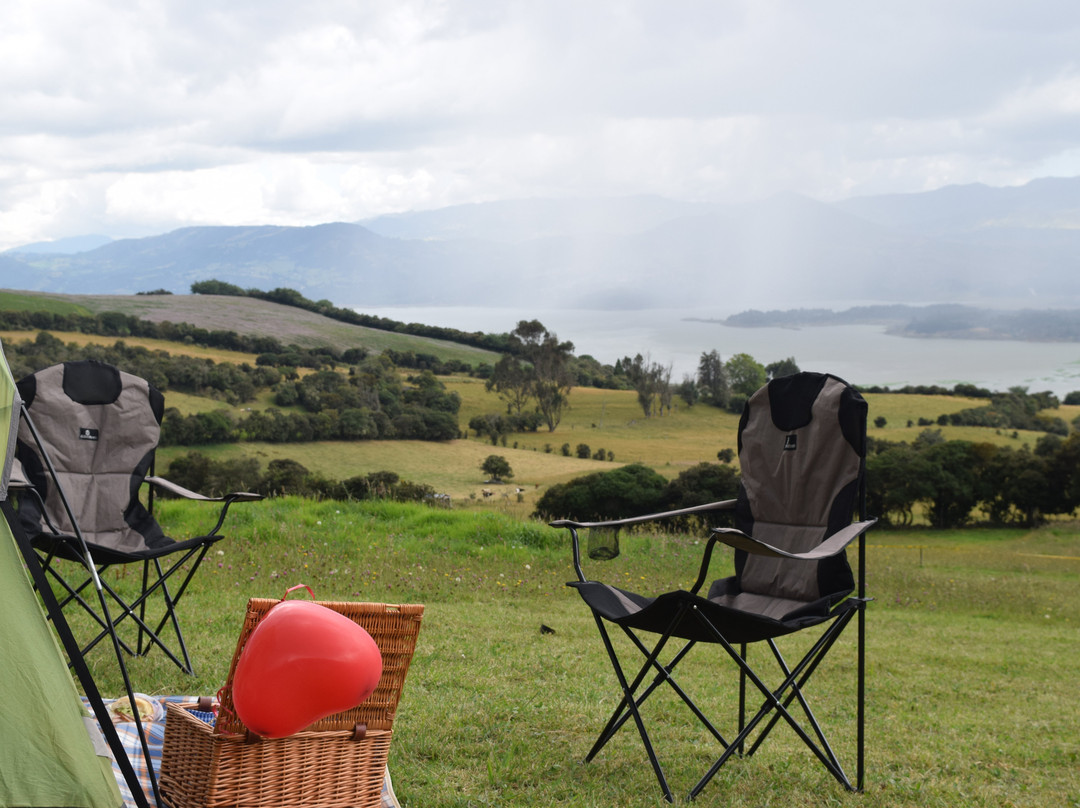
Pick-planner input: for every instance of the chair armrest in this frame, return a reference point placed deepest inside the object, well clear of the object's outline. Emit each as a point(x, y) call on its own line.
point(227, 500)
point(573, 526)
point(180, 491)
point(833, 545)
point(726, 504)
point(734, 537)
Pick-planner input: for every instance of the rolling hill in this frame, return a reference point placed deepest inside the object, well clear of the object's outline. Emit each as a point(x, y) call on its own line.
point(248, 316)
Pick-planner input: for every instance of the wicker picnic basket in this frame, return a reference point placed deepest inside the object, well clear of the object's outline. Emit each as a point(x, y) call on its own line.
point(338, 761)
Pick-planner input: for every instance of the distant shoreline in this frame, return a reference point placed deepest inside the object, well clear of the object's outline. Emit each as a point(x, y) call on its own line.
point(940, 321)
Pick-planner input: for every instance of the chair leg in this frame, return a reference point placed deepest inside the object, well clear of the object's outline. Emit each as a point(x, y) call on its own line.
point(796, 693)
point(777, 701)
point(664, 674)
point(633, 697)
point(142, 609)
point(132, 610)
point(742, 697)
point(147, 636)
point(630, 705)
point(860, 766)
point(170, 608)
point(74, 595)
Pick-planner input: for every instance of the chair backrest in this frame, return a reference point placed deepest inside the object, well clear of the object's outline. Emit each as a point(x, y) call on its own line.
point(802, 446)
point(99, 427)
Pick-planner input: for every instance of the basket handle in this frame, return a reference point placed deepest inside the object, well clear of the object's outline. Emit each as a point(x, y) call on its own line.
point(292, 589)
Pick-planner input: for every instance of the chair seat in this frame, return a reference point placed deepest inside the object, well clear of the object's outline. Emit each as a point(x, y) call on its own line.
point(67, 548)
point(746, 617)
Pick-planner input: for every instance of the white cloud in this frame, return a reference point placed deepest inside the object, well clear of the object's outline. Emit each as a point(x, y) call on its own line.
point(120, 116)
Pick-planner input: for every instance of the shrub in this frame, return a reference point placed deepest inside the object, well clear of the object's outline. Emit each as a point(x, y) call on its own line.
point(628, 491)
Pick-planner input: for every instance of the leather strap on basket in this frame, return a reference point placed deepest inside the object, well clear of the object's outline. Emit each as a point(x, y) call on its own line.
point(359, 732)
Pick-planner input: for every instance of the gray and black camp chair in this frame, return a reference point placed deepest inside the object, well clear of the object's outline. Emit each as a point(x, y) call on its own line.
point(87, 441)
point(802, 456)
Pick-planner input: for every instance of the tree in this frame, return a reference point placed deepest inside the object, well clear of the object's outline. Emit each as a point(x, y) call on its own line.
point(688, 391)
point(745, 374)
point(712, 380)
point(551, 378)
point(491, 424)
point(1019, 489)
point(511, 379)
point(698, 485)
point(497, 468)
point(284, 476)
point(651, 381)
point(898, 477)
point(955, 474)
point(785, 367)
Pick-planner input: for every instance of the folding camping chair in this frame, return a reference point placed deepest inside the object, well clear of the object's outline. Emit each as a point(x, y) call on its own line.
point(87, 441)
point(802, 456)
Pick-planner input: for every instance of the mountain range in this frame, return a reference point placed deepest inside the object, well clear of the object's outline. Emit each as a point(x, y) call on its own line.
point(1013, 247)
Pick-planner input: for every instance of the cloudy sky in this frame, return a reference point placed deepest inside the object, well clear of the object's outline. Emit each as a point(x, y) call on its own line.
point(131, 117)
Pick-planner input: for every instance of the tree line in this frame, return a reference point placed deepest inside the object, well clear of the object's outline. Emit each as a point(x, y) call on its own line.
point(268, 350)
point(718, 383)
point(290, 297)
point(284, 476)
point(370, 401)
point(950, 483)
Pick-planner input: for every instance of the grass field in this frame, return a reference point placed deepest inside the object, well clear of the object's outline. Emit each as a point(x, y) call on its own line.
point(247, 316)
point(601, 419)
point(972, 646)
point(971, 661)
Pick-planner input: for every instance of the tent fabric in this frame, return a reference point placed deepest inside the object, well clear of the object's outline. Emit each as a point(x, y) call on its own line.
point(47, 756)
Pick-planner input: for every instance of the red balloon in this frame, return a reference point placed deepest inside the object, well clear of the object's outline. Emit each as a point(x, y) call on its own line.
point(302, 662)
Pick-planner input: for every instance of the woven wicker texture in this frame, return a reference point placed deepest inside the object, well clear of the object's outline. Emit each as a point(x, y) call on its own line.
point(325, 766)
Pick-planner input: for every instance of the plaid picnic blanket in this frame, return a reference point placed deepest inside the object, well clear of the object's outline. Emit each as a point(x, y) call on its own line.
point(155, 738)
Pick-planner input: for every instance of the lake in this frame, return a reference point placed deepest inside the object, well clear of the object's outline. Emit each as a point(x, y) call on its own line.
point(861, 354)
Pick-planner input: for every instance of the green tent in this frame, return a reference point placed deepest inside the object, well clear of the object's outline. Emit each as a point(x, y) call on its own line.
point(48, 752)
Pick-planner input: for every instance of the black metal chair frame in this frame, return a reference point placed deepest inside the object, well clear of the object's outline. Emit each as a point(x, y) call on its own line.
point(693, 610)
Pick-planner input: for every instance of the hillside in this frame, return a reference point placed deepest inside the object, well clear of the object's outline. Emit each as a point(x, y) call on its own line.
point(246, 316)
point(600, 422)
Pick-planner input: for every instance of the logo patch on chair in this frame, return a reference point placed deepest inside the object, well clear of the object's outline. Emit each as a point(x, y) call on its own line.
point(790, 443)
point(86, 433)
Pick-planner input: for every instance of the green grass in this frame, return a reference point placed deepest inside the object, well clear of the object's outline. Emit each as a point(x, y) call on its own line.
point(602, 419)
point(972, 658)
point(21, 301)
point(213, 354)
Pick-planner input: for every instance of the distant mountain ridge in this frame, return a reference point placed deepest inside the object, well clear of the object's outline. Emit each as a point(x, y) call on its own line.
point(971, 244)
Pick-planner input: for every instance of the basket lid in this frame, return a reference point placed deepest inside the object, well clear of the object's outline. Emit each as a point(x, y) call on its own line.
point(394, 627)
